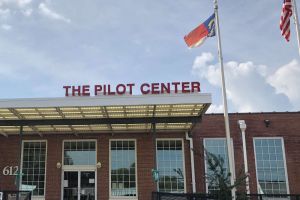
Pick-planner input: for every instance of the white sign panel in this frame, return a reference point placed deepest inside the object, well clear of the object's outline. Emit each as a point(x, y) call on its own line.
point(91, 180)
point(66, 183)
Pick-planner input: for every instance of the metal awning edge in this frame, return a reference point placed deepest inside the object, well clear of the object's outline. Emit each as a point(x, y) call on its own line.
point(125, 100)
point(90, 121)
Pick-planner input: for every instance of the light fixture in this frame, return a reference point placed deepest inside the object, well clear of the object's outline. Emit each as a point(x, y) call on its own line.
point(58, 165)
point(242, 125)
point(267, 122)
point(98, 165)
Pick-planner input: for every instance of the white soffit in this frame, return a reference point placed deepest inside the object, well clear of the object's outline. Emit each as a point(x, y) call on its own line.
point(193, 98)
point(142, 106)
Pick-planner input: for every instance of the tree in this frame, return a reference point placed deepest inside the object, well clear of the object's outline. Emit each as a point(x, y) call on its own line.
point(219, 178)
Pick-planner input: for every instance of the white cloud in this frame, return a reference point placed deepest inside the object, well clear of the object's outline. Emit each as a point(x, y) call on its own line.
point(27, 12)
point(4, 13)
point(19, 3)
point(215, 109)
point(6, 27)
point(11, 7)
point(246, 85)
point(286, 80)
point(44, 10)
point(23, 3)
point(42, 70)
point(203, 62)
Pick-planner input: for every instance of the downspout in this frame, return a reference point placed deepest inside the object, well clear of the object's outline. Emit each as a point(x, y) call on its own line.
point(190, 139)
point(243, 127)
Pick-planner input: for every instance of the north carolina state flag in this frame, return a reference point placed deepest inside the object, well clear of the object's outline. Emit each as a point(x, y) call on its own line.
point(197, 36)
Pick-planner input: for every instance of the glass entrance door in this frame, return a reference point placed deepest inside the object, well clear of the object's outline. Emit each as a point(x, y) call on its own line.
point(70, 185)
point(87, 185)
point(79, 185)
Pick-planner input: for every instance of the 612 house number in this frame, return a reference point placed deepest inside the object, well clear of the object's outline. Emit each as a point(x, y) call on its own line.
point(10, 170)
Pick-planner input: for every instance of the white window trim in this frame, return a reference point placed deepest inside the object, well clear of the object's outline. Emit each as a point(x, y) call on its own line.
point(284, 160)
point(46, 155)
point(78, 168)
point(183, 156)
point(136, 175)
point(205, 165)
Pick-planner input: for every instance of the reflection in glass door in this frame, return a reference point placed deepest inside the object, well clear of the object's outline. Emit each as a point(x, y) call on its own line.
point(87, 186)
point(70, 185)
point(83, 191)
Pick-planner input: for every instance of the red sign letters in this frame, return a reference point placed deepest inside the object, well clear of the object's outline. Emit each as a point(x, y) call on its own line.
point(122, 89)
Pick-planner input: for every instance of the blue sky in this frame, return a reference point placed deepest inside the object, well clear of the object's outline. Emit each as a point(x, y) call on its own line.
point(45, 44)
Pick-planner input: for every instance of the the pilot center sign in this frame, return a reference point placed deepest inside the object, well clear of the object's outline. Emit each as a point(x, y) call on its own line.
point(128, 88)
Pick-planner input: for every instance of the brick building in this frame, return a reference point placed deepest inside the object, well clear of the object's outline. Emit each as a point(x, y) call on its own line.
point(105, 147)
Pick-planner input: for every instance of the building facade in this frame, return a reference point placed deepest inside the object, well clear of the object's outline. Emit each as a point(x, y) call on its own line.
point(118, 164)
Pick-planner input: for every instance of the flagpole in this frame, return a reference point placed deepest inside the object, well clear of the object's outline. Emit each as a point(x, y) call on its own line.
point(296, 23)
point(226, 119)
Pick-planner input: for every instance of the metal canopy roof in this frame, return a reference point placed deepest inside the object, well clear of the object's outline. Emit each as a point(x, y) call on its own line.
point(175, 112)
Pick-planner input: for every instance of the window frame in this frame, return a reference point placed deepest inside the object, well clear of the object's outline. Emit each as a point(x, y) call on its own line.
point(183, 157)
point(136, 174)
point(284, 160)
point(205, 164)
point(79, 167)
point(46, 159)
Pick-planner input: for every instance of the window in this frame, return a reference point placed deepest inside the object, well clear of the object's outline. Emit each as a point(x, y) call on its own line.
point(123, 168)
point(80, 152)
point(33, 167)
point(218, 147)
point(170, 166)
point(270, 166)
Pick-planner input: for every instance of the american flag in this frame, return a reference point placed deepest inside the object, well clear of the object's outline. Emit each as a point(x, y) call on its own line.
point(286, 13)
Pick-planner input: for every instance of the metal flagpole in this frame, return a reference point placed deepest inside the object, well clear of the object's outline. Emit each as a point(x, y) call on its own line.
point(296, 22)
point(228, 141)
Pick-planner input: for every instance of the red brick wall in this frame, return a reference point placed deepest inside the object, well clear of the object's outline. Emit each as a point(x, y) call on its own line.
point(286, 125)
point(145, 161)
point(9, 156)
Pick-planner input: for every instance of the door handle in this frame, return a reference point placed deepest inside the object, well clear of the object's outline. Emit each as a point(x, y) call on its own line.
point(82, 191)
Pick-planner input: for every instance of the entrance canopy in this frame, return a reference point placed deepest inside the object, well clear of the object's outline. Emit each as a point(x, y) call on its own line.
point(176, 112)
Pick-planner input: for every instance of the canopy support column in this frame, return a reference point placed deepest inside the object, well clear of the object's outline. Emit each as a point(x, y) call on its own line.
point(154, 151)
point(19, 175)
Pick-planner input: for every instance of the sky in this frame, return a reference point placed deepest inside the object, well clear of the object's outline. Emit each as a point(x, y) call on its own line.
point(46, 44)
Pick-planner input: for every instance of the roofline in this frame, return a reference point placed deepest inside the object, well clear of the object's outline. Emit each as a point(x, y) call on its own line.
point(125, 100)
point(255, 113)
